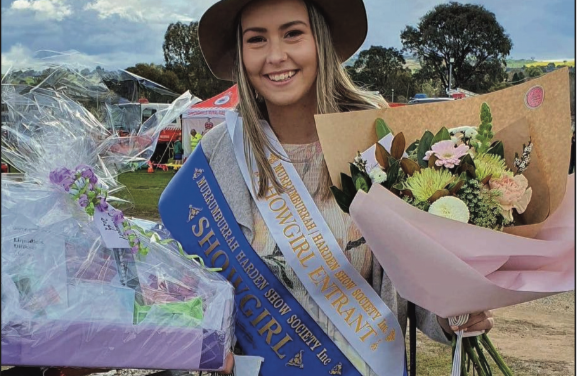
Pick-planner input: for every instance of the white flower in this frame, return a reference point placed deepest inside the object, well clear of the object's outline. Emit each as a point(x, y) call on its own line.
point(470, 132)
point(456, 140)
point(450, 207)
point(377, 175)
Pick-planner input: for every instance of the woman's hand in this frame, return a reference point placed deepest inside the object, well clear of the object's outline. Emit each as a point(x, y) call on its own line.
point(477, 322)
point(228, 365)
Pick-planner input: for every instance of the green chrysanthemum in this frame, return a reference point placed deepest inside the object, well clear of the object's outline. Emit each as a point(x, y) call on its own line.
point(425, 183)
point(490, 164)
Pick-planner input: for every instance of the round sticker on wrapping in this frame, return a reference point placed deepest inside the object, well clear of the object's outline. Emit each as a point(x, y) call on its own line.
point(534, 97)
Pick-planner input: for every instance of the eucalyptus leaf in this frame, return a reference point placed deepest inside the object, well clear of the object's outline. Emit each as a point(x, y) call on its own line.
point(393, 172)
point(361, 184)
point(424, 147)
point(437, 195)
point(341, 198)
point(398, 146)
point(348, 185)
point(412, 147)
point(442, 135)
point(382, 128)
point(382, 156)
point(409, 166)
point(497, 148)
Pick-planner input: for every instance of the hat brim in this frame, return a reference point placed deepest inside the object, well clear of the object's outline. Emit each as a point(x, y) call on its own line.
point(347, 21)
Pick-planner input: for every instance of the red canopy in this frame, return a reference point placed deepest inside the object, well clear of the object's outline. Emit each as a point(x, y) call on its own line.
point(214, 107)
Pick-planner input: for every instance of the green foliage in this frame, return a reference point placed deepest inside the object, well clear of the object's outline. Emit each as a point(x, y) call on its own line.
point(483, 206)
point(424, 146)
point(382, 69)
point(468, 33)
point(382, 128)
point(497, 148)
point(533, 72)
point(442, 135)
point(482, 140)
point(160, 75)
point(183, 56)
point(499, 86)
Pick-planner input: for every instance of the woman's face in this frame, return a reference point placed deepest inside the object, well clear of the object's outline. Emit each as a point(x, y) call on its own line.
point(279, 51)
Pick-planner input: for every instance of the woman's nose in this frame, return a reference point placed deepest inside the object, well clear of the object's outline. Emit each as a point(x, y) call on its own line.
point(276, 54)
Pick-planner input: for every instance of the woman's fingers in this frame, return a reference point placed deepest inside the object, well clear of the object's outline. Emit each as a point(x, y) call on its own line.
point(229, 365)
point(477, 322)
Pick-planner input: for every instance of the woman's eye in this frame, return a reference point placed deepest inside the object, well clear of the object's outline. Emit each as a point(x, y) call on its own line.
point(294, 33)
point(255, 40)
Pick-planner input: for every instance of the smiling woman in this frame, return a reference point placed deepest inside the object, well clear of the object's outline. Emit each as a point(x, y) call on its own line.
point(286, 56)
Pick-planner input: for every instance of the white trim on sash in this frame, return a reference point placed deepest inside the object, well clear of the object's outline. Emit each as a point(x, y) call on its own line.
point(312, 251)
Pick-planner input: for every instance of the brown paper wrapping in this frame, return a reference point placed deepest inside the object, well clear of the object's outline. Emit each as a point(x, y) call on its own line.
point(549, 126)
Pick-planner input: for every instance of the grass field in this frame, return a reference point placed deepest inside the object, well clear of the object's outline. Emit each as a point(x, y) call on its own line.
point(414, 65)
point(144, 190)
point(535, 338)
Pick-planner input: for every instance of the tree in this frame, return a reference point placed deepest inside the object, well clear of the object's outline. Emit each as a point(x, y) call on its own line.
point(468, 33)
point(183, 56)
point(515, 78)
point(533, 72)
point(520, 79)
point(382, 69)
point(160, 75)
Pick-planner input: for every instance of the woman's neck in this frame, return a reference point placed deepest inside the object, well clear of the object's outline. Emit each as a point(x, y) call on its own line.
point(294, 124)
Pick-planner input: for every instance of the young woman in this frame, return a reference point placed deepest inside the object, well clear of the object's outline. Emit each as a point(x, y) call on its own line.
point(286, 57)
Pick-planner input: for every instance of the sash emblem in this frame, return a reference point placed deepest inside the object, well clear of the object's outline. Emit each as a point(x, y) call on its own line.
point(297, 360)
point(192, 212)
point(337, 370)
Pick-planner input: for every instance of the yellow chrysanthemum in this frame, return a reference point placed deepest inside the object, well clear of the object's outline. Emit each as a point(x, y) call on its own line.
point(490, 164)
point(452, 208)
point(425, 183)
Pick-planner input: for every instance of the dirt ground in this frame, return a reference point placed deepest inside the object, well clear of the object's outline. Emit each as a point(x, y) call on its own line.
point(536, 338)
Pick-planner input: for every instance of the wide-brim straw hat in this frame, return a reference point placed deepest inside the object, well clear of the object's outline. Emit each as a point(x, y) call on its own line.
point(347, 21)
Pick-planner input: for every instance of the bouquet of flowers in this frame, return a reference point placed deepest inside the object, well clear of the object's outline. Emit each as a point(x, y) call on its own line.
point(465, 219)
point(83, 286)
point(458, 174)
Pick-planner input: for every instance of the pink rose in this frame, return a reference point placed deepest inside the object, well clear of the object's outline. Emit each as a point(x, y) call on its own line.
point(515, 194)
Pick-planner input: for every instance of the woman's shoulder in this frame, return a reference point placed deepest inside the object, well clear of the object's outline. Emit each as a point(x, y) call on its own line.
point(216, 139)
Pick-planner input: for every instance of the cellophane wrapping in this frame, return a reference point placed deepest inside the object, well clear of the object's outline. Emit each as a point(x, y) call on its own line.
point(73, 294)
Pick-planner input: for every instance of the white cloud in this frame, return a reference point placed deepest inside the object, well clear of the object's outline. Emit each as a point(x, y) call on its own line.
point(49, 9)
point(18, 54)
point(152, 11)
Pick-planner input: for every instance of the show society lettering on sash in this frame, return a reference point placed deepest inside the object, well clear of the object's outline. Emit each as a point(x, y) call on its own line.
point(335, 285)
point(251, 306)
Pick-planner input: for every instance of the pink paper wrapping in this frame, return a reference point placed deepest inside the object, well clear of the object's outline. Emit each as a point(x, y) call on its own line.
point(453, 268)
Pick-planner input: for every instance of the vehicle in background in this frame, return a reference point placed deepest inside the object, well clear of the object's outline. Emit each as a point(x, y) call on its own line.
point(429, 100)
point(128, 117)
point(420, 96)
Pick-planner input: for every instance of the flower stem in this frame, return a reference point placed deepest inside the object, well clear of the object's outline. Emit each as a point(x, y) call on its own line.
point(482, 359)
point(488, 345)
point(469, 348)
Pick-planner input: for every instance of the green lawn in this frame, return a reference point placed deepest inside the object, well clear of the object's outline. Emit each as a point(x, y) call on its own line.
point(143, 190)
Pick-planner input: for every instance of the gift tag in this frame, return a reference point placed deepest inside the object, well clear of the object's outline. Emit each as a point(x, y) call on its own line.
point(245, 365)
point(111, 234)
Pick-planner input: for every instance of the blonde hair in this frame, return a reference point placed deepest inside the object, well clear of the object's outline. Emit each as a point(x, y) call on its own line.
point(335, 92)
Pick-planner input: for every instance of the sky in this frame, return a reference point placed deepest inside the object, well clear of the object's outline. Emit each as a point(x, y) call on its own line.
point(121, 33)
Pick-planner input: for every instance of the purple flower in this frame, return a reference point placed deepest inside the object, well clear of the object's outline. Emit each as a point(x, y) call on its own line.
point(62, 177)
point(83, 201)
point(117, 216)
point(102, 205)
point(135, 249)
point(87, 173)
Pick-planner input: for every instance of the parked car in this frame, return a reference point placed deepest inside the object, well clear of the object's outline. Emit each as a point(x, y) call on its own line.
point(429, 100)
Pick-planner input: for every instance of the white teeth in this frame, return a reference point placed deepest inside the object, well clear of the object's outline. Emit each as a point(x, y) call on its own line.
point(282, 77)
